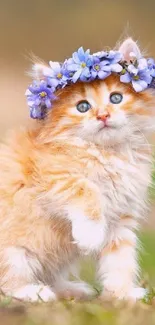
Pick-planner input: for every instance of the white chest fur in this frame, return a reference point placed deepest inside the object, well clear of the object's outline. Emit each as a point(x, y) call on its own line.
point(123, 180)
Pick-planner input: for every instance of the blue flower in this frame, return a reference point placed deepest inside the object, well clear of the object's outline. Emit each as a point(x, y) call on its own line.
point(39, 97)
point(99, 69)
point(55, 75)
point(68, 74)
point(151, 66)
point(138, 74)
point(111, 59)
point(80, 64)
point(85, 67)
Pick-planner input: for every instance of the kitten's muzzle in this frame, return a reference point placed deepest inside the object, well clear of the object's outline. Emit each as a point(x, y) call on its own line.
point(104, 118)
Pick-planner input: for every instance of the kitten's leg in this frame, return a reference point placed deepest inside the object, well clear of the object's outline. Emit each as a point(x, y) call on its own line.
point(18, 276)
point(34, 292)
point(73, 289)
point(77, 289)
point(85, 212)
point(118, 270)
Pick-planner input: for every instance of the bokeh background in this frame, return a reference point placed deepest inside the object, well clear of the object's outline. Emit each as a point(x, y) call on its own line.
point(52, 30)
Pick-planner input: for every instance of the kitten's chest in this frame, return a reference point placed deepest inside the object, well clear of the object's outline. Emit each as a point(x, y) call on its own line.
point(122, 182)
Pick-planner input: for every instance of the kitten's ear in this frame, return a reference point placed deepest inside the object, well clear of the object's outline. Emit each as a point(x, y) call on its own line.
point(129, 48)
point(39, 70)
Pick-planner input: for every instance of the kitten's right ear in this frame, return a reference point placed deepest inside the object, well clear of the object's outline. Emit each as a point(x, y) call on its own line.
point(129, 47)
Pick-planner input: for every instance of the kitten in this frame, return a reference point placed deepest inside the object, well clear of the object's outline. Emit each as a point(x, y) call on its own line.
point(77, 184)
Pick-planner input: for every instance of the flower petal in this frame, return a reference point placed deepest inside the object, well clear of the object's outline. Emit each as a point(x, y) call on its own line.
point(33, 90)
point(86, 72)
point(76, 75)
point(30, 102)
point(117, 57)
point(111, 54)
point(95, 60)
point(147, 77)
point(55, 66)
point(132, 69)
point(104, 62)
point(48, 72)
point(151, 62)
point(125, 77)
point(142, 64)
point(116, 67)
point(37, 101)
point(73, 67)
point(48, 103)
point(81, 54)
point(93, 74)
point(53, 82)
point(87, 53)
point(75, 58)
point(139, 85)
point(106, 68)
point(28, 92)
point(102, 74)
point(153, 72)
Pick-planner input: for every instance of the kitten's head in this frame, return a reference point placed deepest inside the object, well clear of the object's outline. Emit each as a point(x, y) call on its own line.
point(106, 112)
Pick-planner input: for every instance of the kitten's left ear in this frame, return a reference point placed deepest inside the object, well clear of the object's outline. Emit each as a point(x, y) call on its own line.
point(39, 70)
point(129, 48)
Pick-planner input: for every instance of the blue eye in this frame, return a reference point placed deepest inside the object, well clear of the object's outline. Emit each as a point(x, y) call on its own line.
point(116, 98)
point(83, 106)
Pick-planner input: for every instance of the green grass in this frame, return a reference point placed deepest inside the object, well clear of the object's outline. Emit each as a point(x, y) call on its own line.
point(95, 312)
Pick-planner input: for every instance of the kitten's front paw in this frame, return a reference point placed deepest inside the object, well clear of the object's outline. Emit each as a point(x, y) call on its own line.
point(34, 292)
point(88, 234)
point(76, 290)
point(137, 294)
point(133, 295)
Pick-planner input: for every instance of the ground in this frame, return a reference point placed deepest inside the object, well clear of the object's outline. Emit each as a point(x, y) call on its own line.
point(94, 312)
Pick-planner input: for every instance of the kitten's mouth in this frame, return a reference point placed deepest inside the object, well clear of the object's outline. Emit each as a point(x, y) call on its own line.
point(105, 126)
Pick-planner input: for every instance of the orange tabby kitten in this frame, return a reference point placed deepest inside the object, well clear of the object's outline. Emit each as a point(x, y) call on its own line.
point(77, 184)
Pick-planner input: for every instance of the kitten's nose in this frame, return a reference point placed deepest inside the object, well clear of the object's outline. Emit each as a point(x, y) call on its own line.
point(103, 117)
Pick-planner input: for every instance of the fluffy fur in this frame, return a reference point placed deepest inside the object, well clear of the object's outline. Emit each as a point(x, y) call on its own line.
point(71, 186)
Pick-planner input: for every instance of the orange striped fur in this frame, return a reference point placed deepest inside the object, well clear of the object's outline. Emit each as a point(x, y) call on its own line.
point(66, 187)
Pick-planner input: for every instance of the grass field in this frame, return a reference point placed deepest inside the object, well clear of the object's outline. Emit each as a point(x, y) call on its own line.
point(94, 312)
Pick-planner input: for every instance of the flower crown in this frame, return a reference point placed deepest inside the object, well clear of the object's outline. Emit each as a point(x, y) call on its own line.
point(86, 67)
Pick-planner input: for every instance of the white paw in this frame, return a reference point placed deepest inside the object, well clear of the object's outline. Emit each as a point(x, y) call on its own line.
point(81, 288)
point(34, 292)
point(133, 295)
point(88, 234)
point(77, 290)
point(137, 294)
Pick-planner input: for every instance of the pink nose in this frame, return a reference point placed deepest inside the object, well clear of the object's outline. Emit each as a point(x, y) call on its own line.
point(103, 117)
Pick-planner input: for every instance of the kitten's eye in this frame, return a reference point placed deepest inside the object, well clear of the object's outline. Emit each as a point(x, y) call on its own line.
point(83, 106)
point(116, 98)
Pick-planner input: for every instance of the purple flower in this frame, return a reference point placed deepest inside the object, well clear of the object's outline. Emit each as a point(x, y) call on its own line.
point(151, 66)
point(79, 64)
point(85, 67)
point(111, 59)
point(39, 97)
point(138, 74)
point(100, 69)
point(68, 74)
point(55, 75)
